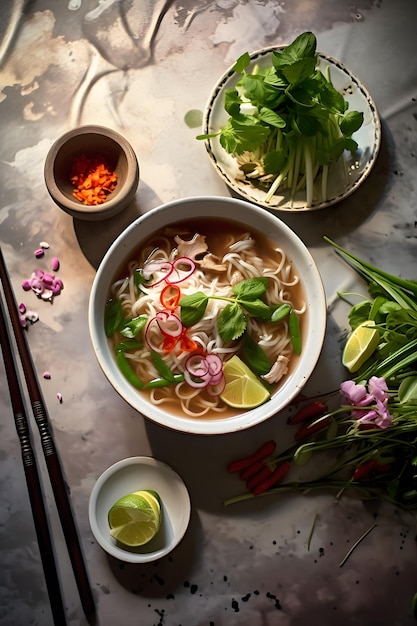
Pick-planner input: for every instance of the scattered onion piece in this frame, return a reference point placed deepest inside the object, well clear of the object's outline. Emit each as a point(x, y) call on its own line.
point(170, 272)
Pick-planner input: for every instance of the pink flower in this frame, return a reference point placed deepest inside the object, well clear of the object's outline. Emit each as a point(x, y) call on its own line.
point(376, 395)
point(356, 394)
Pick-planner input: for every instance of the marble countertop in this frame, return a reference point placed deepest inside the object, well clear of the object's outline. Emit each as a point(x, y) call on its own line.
point(139, 66)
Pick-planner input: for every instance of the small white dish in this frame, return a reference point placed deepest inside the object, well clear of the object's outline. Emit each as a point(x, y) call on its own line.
point(134, 474)
point(358, 166)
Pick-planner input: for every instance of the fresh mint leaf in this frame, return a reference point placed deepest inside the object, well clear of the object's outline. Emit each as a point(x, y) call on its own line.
point(251, 289)
point(231, 322)
point(193, 308)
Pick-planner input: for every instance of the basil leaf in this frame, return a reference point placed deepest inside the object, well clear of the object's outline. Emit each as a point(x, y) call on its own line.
point(193, 308)
point(113, 316)
point(255, 356)
point(257, 308)
point(251, 289)
point(231, 322)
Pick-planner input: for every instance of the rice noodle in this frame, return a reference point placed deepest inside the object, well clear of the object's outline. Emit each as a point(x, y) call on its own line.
point(241, 256)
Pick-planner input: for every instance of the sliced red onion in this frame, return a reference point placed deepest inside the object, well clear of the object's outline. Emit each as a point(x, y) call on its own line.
point(164, 267)
point(169, 323)
point(197, 366)
point(205, 370)
point(215, 389)
point(194, 381)
point(178, 275)
point(214, 363)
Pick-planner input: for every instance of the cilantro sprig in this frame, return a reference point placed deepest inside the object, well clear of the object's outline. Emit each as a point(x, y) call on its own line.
point(287, 122)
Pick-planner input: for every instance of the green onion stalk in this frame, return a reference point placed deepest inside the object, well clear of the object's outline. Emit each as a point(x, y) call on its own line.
point(368, 442)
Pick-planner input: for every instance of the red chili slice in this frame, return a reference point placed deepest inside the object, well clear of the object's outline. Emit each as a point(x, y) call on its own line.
point(170, 297)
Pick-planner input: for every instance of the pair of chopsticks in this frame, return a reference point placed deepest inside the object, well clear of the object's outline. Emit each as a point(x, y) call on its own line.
point(51, 458)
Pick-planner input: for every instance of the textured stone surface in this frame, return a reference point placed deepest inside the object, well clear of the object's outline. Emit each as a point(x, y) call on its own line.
point(139, 67)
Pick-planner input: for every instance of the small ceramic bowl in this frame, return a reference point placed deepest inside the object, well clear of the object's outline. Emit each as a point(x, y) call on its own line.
point(92, 141)
point(135, 474)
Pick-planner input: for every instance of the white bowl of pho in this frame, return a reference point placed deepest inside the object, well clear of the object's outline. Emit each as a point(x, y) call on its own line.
point(207, 315)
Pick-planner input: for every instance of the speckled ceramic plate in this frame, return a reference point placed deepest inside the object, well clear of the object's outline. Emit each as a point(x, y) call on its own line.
point(342, 182)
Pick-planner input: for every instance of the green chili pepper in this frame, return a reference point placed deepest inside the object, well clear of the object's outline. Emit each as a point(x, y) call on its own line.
point(295, 334)
point(280, 313)
point(163, 382)
point(162, 367)
point(127, 371)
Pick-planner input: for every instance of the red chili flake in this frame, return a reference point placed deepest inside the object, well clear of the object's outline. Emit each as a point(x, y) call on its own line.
point(93, 179)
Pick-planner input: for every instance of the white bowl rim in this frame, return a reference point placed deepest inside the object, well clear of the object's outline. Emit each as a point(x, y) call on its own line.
point(104, 542)
point(314, 340)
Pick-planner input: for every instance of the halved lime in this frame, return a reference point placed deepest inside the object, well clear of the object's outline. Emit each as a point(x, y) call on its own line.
point(361, 344)
point(135, 518)
point(243, 389)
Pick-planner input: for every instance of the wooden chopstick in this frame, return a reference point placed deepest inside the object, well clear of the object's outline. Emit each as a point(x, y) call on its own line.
point(32, 476)
point(49, 450)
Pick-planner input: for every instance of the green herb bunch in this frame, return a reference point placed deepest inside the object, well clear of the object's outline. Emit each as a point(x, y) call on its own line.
point(287, 122)
point(384, 457)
